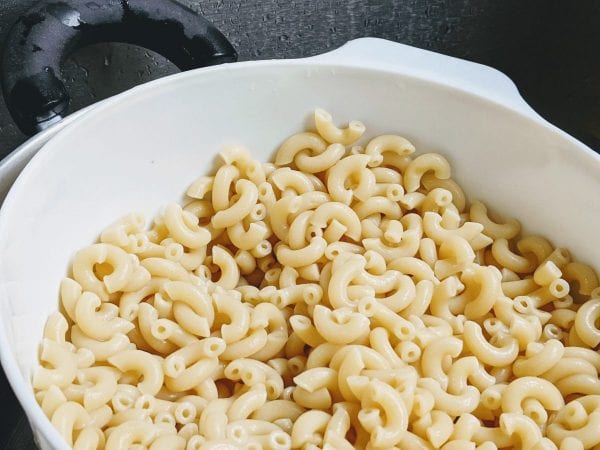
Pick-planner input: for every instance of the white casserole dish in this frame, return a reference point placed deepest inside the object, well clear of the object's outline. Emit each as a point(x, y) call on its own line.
point(141, 149)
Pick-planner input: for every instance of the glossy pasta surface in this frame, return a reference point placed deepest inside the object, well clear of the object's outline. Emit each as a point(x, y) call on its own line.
point(344, 296)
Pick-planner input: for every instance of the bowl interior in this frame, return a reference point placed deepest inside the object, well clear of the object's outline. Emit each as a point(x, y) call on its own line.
point(142, 150)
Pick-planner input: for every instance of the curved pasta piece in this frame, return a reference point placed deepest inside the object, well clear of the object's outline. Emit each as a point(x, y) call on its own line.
point(277, 409)
point(70, 291)
point(428, 162)
point(89, 438)
point(404, 294)
point(209, 348)
point(251, 372)
point(353, 166)
point(193, 375)
point(129, 433)
point(398, 325)
point(163, 268)
point(200, 187)
point(253, 342)
point(311, 294)
point(340, 326)
point(377, 205)
point(455, 255)
point(468, 368)
point(536, 246)
point(309, 428)
point(381, 396)
point(579, 419)
point(455, 405)
point(200, 314)
point(56, 328)
point(495, 435)
point(63, 366)
point(434, 356)
point(236, 155)
point(387, 143)
point(303, 256)
point(521, 425)
point(340, 212)
point(485, 281)
point(300, 230)
point(535, 364)
point(507, 258)
point(145, 364)
point(280, 213)
point(248, 196)
point(248, 402)
point(295, 144)
point(585, 384)
point(273, 319)
point(203, 210)
point(130, 301)
point(385, 175)
point(531, 387)
point(101, 349)
point(99, 320)
point(247, 239)
point(69, 417)
point(485, 351)
point(413, 266)
point(287, 179)
point(104, 386)
point(230, 272)
point(495, 230)
point(305, 330)
point(333, 134)
point(321, 162)
point(120, 231)
point(225, 177)
point(437, 200)
point(566, 367)
point(168, 442)
point(583, 274)
point(184, 228)
point(421, 301)
point(239, 317)
point(586, 354)
point(121, 277)
point(350, 364)
point(434, 229)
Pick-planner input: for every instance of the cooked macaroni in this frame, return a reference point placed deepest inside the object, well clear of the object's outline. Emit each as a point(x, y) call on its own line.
point(346, 296)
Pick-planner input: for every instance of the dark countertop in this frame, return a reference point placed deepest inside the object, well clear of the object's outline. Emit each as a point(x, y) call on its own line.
point(549, 48)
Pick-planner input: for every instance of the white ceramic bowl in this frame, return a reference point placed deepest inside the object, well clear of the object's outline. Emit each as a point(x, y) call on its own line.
point(140, 150)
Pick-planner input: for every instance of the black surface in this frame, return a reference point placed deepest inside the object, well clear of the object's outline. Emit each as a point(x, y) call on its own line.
point(549, 48)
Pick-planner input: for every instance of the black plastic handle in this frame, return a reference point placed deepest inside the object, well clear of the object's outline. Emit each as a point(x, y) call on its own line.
point(45, 35)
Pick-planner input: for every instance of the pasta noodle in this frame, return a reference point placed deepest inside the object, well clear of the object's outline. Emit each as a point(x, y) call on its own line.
point(345, 296)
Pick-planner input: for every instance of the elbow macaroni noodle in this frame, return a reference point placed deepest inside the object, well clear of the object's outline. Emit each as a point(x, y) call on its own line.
point(346, 296)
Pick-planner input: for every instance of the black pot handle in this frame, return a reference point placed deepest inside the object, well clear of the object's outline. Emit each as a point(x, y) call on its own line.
point(45, 35)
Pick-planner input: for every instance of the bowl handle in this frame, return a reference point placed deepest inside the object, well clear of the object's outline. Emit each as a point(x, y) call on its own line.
point(47, 33)
point(477, 78)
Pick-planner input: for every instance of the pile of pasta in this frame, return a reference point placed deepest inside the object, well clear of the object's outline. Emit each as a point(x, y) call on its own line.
point(341, 297)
